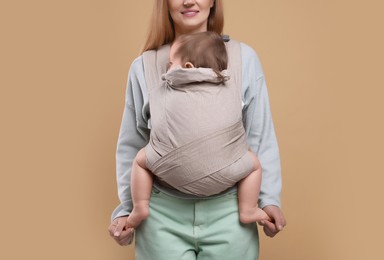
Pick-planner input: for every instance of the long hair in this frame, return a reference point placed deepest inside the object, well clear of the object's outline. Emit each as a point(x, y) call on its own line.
point(162, 30)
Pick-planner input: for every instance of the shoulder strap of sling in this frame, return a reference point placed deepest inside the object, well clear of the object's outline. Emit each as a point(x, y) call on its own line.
point(234, 61)
point(155, 65)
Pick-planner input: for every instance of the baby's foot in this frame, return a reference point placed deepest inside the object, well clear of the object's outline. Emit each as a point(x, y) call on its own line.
point(138, 214)
point(252, 215)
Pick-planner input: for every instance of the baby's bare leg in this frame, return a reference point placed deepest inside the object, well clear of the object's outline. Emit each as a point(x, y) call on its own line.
point(248, 192)
point(141, 187)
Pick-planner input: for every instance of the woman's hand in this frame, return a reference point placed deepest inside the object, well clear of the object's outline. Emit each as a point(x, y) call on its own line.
point(277, 223)
point(120, 232)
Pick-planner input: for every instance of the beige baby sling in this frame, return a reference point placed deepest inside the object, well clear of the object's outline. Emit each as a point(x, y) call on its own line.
point(199, 147)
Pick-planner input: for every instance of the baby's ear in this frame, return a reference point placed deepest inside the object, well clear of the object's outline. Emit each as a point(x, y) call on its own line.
point(188, 65)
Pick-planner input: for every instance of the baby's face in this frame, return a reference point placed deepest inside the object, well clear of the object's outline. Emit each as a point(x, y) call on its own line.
point(175, 60)
point(177, 63)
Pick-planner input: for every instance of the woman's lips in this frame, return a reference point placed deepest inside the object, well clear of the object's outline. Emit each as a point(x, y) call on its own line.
point(189, 13)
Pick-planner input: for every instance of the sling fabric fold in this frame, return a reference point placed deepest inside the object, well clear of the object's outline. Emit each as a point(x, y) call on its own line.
point(198, 159)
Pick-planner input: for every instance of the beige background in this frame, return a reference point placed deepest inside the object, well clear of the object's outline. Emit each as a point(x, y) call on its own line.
point(64, 67)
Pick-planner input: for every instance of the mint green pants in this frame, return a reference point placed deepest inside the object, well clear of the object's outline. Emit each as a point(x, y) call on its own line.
point(204, 229)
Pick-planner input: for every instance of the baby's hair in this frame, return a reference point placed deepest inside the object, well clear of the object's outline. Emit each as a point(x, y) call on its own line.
point(204, 49)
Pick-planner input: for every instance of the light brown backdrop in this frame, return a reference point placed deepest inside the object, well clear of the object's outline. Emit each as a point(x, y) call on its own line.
point(64, 67)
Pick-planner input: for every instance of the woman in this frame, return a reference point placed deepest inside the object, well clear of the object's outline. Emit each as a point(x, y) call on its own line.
point(181, 227)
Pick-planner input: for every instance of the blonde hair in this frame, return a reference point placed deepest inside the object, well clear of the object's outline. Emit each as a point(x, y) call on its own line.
point(162, 31)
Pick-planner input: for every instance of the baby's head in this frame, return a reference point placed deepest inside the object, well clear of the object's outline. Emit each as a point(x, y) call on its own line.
point(204, 49)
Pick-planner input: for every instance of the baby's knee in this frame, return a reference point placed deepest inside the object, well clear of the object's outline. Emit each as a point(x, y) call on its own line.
point(255, 161)
point(141, 158)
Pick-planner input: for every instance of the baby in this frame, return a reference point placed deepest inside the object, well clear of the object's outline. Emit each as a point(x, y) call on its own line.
point(198, 142)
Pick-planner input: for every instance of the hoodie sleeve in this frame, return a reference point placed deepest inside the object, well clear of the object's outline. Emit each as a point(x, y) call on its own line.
point(259, 127)
point(133, 135)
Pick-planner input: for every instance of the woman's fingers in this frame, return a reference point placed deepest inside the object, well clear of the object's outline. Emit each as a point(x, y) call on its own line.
point(126, 237)
point(277, 223)
point(120, 233)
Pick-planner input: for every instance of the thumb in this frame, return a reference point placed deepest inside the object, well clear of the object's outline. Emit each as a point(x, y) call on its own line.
point(119, 227)
point(280, 223)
